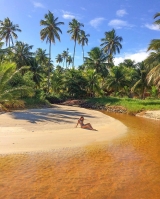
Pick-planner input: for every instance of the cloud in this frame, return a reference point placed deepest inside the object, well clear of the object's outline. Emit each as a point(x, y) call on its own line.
point(139, 56)
point(68, 15)
point(38, 4)
point(116, 23)
point(121, 13)
point(152, 27)
point(83, 8)
point(96, 22)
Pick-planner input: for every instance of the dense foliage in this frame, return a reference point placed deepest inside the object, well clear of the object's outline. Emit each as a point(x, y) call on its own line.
point(25, 74)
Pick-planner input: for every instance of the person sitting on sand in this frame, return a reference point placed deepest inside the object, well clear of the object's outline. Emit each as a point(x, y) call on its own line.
point(84, 126)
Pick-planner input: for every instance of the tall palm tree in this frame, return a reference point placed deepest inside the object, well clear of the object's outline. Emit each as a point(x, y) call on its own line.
point(50, 32)
point(83, 40)
point(7, 31)
point(65, 55)
point(75, 33)
point(111, 43)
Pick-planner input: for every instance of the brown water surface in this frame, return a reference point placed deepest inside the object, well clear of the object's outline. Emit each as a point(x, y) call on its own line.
point(126, 168)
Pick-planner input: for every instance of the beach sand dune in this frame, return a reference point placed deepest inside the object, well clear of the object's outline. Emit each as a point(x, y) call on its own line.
point(54, 128)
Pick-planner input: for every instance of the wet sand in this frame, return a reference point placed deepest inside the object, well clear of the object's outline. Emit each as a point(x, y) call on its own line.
point(54, 128)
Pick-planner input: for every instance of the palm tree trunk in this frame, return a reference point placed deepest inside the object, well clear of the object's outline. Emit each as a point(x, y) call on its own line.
point(49, 65)
point(74, 54)
point(83, 53)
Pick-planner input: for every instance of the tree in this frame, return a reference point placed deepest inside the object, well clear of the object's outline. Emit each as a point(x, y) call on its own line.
point(7, 31)
point(75, 33)
point(21, 54)
point(155, 16)
point(83, 40)
point(117, 79)
point(8, 92)
point(97, 61)
point(111, 44)
point(65, 55)
point(69, 60)
point(50, 33)
point(41, 56)
point(141, 82)
point(59, 58)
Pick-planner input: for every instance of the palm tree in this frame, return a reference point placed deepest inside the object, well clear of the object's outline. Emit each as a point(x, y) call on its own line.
point(65, 55)
point(117, 79)
point(41, 56)
point(8, 92)
point(75, 33)
point(50, 33)
point(97, 61)
point(21, 54)
point(83, 40)
point(111, 43)
point(59, 58)
point(155, 16)
point(7, 31)
point(141, 82)
point(69, 60)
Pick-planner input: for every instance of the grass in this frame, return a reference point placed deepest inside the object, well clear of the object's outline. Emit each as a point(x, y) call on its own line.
point(36, 103)
point(132, 105)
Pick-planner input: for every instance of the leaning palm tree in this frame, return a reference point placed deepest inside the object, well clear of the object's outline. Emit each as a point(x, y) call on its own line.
point(75, 33)
point(7, 31)
point(111, 44)
point(50, 32)
point(83, 40)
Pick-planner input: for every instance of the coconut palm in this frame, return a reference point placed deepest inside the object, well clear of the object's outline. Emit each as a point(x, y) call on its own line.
point(75, 33)
point(141, 82)
point(50, 33)
point(7, 31)
point(97, 61)
point(155, 16)
point(8, 92)
point(65, 55)
point(83, 40)
point(69, 60)
point(117, 79)
point(41, 56)
point(111, 44)
point(21, 54)
point(59, 58)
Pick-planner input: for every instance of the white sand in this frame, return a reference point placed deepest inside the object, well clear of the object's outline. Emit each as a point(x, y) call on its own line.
point(54, 128)
point(150, 114)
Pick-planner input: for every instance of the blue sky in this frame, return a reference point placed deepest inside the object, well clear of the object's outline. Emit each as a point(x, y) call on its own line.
point(132, 20)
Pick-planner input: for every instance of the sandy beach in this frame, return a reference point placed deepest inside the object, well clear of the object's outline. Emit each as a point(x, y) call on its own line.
point(150, 114)
point(54, 128)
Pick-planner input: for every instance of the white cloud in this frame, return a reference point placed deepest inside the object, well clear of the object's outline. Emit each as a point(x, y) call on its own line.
point(116, 23)
point(38, 5)
point(68, 15)
point(96, 22)
point(139, 56)
point(121, 13)
point(152, 27)
point(83, 8)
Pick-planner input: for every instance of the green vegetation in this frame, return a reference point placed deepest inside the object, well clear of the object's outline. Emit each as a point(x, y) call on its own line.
point(30, 79)
point(132, 105)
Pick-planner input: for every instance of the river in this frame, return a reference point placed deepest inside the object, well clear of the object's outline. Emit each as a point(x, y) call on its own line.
point(125, 168)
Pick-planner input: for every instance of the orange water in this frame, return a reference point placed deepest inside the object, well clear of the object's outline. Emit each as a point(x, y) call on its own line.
point(126, 168)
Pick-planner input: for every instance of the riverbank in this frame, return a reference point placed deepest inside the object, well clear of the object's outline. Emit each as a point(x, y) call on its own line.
point(54, 128)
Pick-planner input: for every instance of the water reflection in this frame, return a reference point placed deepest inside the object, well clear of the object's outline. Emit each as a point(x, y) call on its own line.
point(126, 168)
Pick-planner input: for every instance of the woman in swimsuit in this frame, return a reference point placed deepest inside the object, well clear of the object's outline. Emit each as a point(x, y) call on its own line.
point(84, 126)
